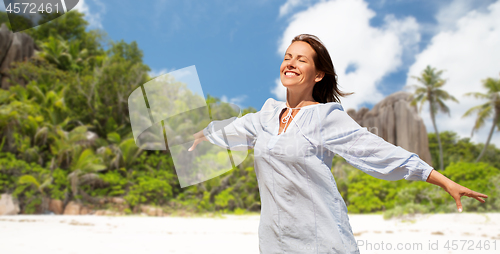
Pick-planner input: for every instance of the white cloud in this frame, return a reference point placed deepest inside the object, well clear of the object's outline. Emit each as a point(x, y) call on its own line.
point(290, 5)
point(343, 26)
point(447, 16)
point(235, 100)
point(157, 73)
point(279, 90)
point(468, 53)
point(451, 11)
point(93, 17)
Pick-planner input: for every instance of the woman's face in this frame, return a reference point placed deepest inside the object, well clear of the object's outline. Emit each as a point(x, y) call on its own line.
point(297, 68)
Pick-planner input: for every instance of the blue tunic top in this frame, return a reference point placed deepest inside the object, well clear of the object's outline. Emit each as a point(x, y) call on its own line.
point(302, 210)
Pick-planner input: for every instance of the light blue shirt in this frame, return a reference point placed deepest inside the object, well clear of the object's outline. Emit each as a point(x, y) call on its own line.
point(302, 210)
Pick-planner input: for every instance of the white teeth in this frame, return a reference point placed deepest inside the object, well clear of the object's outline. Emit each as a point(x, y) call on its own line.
point(290, 73)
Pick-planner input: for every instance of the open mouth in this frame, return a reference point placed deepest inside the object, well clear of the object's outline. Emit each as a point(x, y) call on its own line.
point(291, 74)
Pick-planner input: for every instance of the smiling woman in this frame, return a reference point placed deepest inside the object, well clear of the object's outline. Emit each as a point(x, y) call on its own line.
point(302, 209)
point(314, 57)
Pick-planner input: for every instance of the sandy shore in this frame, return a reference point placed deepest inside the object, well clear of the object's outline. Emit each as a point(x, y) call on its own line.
point(430, 233)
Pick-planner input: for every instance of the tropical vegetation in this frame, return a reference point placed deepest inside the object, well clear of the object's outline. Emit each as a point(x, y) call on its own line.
point(65, 134)
point(430, 90)
point(491, 108)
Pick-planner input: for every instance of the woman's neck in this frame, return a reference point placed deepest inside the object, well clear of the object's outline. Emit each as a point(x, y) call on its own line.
point(299, 100)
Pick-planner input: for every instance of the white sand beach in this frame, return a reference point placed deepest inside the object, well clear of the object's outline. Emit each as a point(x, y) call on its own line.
point(430, 233)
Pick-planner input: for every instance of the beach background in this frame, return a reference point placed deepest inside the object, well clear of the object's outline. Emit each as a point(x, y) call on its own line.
point(76, 178)
point(469, 233)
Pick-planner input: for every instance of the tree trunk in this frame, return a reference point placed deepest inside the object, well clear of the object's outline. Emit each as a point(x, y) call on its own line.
point(44, 206)
point(89, 198)
point(438, 139)
point(489, 137)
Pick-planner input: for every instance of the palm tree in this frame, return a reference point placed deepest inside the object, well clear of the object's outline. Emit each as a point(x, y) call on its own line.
point(55, 51)
point(430, 91)
point(46, 181)
point(85, 166)
point(120, 153)
point(486, 110)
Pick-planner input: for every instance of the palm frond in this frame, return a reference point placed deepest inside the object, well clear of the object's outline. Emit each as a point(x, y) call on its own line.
point(442, 107)
point(477, 95)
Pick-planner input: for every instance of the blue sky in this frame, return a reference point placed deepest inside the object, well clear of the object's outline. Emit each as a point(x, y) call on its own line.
point(376, 45)
point(234, 44)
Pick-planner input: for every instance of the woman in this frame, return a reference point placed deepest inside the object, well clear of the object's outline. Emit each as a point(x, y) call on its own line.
point(294, 143)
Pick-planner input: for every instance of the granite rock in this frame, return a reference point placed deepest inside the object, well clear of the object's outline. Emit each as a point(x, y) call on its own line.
point(56, 206)
point(8, 205)
point(14, 47)
point(396, 121)
point(72, 208)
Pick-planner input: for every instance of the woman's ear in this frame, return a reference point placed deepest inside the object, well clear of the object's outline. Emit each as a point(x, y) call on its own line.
point(319, 76)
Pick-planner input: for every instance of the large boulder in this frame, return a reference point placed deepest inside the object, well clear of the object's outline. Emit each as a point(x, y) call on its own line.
point(151, 210)
point(85, 210)
point(72, 208)
point(5, 40)
point(396, 121)
point(14, 47)
point(8, 205)
point(56, 206)
point(117, 200)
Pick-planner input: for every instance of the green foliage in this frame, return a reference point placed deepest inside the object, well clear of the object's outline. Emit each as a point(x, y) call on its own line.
point(222, 199)
point(100, 95)
point(478, 177)
point(406, 209)
point(457, 149)
point(151, 181)
point(205, 203)
point(489, 109)
point(362, 192)
point(71, 28)
point(421, 197)
point(65, 134)
point(368, 194)
point(26, 181)
point(59, 188)
point(149, 190)
point(19, 20)
point(29, 179)
point(64, 55)
point(74, 90)
point(430, 90)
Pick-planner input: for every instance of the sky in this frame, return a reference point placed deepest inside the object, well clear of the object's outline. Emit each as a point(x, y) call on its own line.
point(376, 45)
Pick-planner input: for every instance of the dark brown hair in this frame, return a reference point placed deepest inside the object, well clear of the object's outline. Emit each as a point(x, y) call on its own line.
point(327, 89)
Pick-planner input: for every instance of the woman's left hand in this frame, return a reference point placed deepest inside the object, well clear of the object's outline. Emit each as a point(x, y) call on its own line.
point(454, 189)
point(198, 138)
point(457, 191)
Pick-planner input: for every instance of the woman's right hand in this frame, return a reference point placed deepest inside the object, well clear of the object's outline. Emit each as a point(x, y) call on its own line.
point(198, 138)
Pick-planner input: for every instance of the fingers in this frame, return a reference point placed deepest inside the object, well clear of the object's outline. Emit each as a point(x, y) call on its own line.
point(199, 134)
point(469, 193)
point(480, 199)
point(459, 204)
point(477, 196)
point(196, 141)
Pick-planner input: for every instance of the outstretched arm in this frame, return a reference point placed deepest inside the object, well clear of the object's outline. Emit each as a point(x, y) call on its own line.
point(376, 157)
point(454, 189)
